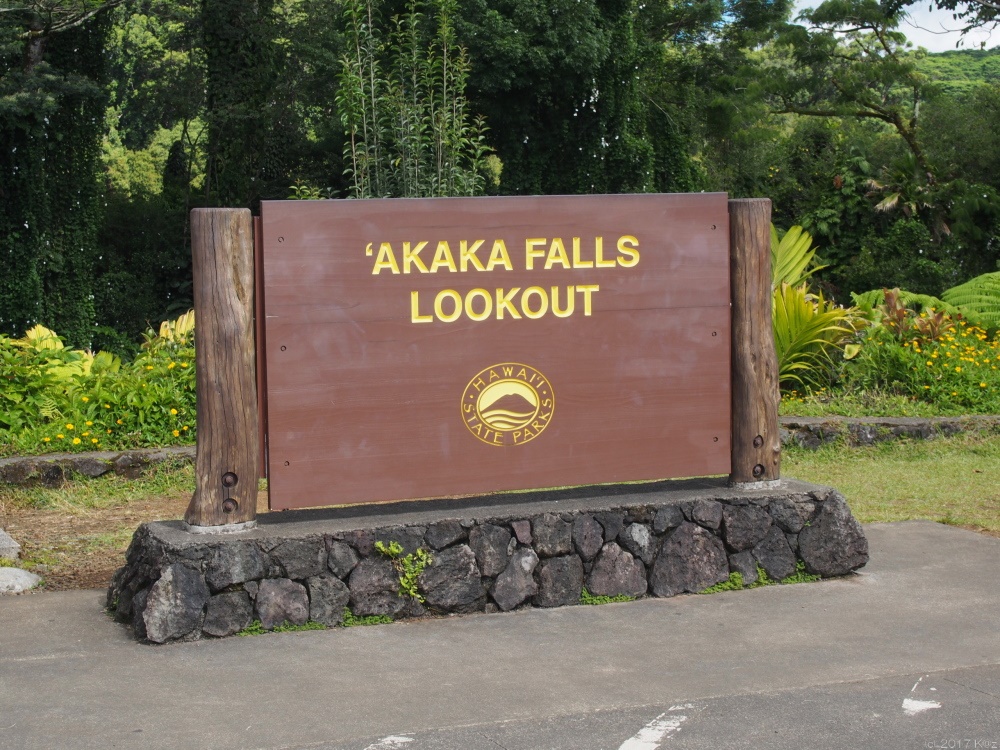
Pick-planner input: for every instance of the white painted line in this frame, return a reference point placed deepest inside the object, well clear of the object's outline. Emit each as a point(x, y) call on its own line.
point(390, 742)
point(913, 707)
point(655, 732)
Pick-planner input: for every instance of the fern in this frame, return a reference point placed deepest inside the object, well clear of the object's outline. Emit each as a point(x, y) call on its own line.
point(978, 299)
point(48, 408)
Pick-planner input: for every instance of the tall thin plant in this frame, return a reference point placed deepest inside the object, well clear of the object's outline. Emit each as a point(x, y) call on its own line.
point(404, 109)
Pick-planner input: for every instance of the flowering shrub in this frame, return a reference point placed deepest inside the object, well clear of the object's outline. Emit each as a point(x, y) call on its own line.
point(56, 399)
point(957, 370)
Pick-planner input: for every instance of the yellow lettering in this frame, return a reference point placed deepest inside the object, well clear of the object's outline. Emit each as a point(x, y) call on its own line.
point(456, 299)
point(412, 257)
point(577, 261)
point(480, 384)
point(508, 371)
point(570, 302)
point(628, 247)
point(504, 302)
point(487, 304)
point(443, 258)
point(587, 290)
point(599, 254)
point(557, 254)
point(499, 257)
point(415, 316)
point(543, 306)
point(385, 259)
point(532, 250)
point(467, 255)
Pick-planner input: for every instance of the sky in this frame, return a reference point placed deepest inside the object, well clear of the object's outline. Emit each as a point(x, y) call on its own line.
point(932, 28)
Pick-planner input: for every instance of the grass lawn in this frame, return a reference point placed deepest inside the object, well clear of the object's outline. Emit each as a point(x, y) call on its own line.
point(951, 480)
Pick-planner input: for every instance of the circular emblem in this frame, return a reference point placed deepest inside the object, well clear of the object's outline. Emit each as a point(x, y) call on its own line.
point(508, 404)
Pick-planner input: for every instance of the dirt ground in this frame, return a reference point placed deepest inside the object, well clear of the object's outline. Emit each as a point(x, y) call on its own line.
point(82, 550)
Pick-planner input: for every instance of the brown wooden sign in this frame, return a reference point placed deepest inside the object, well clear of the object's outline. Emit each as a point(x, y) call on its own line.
point(437, 347)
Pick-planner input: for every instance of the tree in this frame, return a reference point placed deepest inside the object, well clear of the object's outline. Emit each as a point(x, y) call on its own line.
point(51, 119)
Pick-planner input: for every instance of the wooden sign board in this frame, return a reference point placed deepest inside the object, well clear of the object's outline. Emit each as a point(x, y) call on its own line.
point(440, 347)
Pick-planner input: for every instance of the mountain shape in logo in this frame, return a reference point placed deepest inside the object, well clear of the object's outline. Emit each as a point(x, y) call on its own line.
point(509, 412)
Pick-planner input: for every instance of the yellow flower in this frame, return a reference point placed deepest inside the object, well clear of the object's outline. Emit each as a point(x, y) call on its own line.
point(60, 436)
point(173, 411)
point(85, 433)
point(184, 364)
point(85, 399)
point(76, 441)
point(958, 368)
point(109, 432)
point(93, 440)
point(184, 428)
point(46, 440)
point(982, 385)
point(954, 393)
point(107, 406)
point(69, 427)
point(930, 363)
point(172, 365)
point(177, 433)
point(88, 423)
point(118, 421)
point(927, 387)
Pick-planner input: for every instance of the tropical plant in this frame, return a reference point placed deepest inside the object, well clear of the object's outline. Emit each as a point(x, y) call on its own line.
point(791, 257)
point(808, 330)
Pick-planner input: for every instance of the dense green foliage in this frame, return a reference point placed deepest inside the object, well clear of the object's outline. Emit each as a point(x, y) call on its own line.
point(54, 398)
point(118, 117)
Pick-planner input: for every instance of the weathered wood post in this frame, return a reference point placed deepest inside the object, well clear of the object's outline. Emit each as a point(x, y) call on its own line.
point(756, 443)
point(227, 465)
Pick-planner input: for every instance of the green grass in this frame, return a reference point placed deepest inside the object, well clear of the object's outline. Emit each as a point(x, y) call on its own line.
point(256, 628)
point(109, 491)
point(949, 480)
point(351, 620)
point(587, 598)
point(840, 403)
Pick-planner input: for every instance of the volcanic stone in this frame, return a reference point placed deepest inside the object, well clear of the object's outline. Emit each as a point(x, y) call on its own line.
point(228, 613)
point(489, 543)
point(363, 540)
point(176, 604)
point(233, 562)
point(667, 518)
point(301, 558)
point(139, 606)
point(612, 523)
point(341, 558)
point(553, 536)
point(9, 549)
point(453, 581)
point(374, 586)
point(707, 513)
point(281, 600)
point(745, 564)
point(561, 581)
point(791, 515)
point(439, 535)
point(522, 530)
point(744, 526)
point(774, 555)
point(588, 536)
point(691, 559)
point(833, 544)
point(515, 583)
point(616, 572)
point(638, 540)
point(89, 466)
point(328, 596)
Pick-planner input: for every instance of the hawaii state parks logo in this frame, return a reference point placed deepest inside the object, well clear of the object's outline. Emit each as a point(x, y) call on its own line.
point(508, 404)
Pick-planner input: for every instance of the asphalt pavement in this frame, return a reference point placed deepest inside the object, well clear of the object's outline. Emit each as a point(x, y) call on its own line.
point(905, 654)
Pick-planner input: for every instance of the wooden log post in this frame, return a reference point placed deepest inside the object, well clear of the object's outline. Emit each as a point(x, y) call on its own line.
point(227, 464)
point(756, 442)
